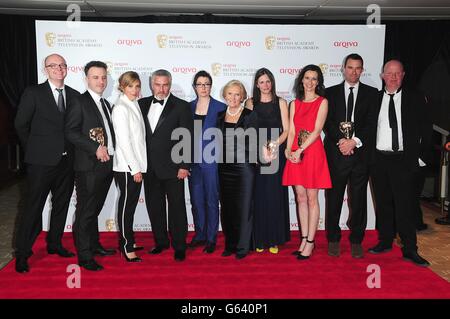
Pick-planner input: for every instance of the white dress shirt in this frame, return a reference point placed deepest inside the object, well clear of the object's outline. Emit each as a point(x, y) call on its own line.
point(96, 99)
point(155, 113)
point(352, 118)
point(384, 131)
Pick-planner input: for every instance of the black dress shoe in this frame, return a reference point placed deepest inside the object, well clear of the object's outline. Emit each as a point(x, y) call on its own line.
point(443, 220)
point(179, 255)
point(90, 265)
point(241, 255)
point(415, 258)
point(209, 248)
point(227, 253)
point(157, 250)
point(196, 243)
point(380, 248)
point(60, 251)
point(22, 265)
point(100, 251)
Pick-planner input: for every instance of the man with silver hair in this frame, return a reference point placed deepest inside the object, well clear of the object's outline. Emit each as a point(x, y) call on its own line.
point(163, 113)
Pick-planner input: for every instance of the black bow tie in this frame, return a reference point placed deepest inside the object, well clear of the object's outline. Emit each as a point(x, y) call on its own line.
point(155, 100)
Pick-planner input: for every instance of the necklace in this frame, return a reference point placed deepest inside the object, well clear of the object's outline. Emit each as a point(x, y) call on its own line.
point(236, 113)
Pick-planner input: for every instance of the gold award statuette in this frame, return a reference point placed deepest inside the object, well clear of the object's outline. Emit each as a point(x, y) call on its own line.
point(302, 136)
point(347, 129)
point(96, 134)
point(272, 147)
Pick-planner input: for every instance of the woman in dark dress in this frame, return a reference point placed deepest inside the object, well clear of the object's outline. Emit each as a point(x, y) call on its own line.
point(271, 225)
point(237, 170)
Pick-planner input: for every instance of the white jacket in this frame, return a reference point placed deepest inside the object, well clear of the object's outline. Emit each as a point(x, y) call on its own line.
point(131, 150)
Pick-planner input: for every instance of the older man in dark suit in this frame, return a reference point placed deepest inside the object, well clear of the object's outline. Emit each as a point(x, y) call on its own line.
point(49, 158)
point(403, 139)
point(163, 113)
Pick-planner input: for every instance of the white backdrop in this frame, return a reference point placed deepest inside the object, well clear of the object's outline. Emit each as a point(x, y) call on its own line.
point(226, 51)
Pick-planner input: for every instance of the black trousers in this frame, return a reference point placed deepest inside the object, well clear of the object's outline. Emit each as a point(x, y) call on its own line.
point(92, 189)
point(393, 184)
point(156, 191)
point(237, 182)
point(41, 180)
point(128, 199)
point(352, 171)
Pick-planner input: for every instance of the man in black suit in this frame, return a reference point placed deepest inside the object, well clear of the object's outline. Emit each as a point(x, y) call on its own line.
point(163, 113)
point(348, 158)
point(49, 157)
point(403, 138)
point(89, 128)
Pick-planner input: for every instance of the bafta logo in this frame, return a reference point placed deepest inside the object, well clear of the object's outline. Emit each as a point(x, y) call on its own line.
point(216, 68)
point(324, 68)
point(50, 39)
point(161, 39)
point(110, 225)
point(270, 42)
point(96, 134)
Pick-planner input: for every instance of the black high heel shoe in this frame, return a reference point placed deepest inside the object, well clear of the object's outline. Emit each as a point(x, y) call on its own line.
point(298, 252)
point(136, 248)
point(131, 260)
point(303, 257)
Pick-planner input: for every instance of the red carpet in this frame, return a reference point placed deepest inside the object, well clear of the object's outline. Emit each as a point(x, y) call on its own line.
point(259, 276)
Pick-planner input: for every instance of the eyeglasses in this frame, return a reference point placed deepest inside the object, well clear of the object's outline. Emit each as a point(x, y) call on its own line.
point(204, 85)
point(55, 66)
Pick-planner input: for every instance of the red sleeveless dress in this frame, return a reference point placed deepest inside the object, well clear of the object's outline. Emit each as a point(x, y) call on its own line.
point(312, 171)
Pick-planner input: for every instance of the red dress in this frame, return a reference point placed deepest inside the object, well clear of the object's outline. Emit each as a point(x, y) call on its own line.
point(312, 171)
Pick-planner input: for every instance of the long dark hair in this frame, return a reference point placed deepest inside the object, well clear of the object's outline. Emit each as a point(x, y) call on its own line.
point(256, 92)
point(298, 86)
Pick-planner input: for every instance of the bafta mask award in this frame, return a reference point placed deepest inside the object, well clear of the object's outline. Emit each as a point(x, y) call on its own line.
point(96, 134)
point(347, 129)
point(272, 147)
point(302, 136)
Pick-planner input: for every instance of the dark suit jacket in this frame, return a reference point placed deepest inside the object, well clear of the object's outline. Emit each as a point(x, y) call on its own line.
point(417, 128)
point(82, 115)
point(364, 120)
point(40, 125)
point(210, 122)
point(176, 114)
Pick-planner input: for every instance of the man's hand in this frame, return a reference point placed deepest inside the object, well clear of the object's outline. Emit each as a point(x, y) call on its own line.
point(183, 173)
point(346, 146)
point(102, 154)
point(137, 177)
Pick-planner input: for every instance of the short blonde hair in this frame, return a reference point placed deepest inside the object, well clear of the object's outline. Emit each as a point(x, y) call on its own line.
point(238, 84)
point(128, 78)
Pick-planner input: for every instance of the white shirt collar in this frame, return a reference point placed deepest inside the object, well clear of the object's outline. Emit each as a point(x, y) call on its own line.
point(95, 96)
point(347, 86)
point(53, 87)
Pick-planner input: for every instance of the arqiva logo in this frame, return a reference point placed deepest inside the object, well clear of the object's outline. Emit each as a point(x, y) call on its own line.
point(291, 71)
point(129, 42)
point(346, 44)
point(75, 68)
point(184, 70)
point(239, 44)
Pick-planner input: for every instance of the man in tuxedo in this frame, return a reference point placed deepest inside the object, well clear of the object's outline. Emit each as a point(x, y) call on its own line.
point(49, 158)
point(403, 138)
point(348, 158)
point(89, 128)
point(163, 113)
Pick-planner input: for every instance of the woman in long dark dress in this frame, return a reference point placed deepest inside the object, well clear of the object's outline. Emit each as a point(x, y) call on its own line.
point(237, 171)
point(271, 225)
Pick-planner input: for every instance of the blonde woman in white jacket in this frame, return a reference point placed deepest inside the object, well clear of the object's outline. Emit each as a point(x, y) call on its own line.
point(130, 160)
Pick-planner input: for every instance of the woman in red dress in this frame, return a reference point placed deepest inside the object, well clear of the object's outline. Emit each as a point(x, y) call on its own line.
point(306, 167)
